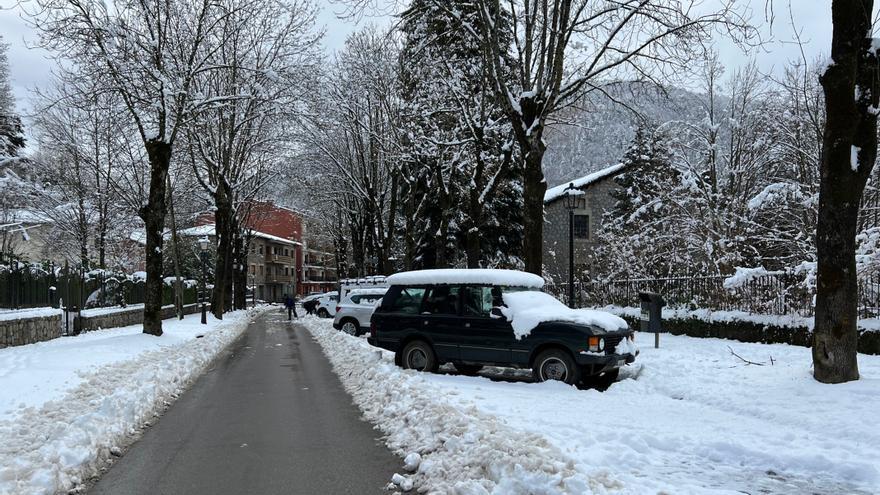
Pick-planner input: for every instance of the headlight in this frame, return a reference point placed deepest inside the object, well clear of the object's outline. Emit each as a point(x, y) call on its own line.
point(596, 344)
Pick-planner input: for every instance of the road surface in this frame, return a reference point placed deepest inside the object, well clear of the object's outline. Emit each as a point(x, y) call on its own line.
point(270, 418)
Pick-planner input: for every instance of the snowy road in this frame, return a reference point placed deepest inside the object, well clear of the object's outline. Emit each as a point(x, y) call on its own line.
point(698, 420)
point(271, 417)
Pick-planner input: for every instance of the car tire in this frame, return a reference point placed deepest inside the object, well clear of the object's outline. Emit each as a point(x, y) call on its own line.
point(350, 327)
point(323, 313)
point(418, 355)
point(556, 364)
point(468, 369)
point(603, 381)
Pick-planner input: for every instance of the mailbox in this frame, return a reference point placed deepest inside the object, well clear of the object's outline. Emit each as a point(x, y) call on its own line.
point(651, 318)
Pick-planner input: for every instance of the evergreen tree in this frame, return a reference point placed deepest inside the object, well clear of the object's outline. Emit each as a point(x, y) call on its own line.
point(11, 132)
point(638, 238)
point(460, 180)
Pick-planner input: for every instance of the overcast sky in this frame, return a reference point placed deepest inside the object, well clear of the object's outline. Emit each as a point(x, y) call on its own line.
point(30, 67)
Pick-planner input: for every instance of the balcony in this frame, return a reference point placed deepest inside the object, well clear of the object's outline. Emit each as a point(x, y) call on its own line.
point(279, 259)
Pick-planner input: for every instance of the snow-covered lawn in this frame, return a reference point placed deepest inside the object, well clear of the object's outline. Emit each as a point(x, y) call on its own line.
point(66, 404)
point(696, 419)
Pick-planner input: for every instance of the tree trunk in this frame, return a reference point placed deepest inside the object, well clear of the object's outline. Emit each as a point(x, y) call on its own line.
point(153, 215)
point(221, 297)
point(534, 188)
point(239, 275)
point(850, 132)
point(175, 247)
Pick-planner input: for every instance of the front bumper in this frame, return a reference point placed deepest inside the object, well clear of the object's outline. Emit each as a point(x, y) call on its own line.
point(596, 363)
point(337, 325)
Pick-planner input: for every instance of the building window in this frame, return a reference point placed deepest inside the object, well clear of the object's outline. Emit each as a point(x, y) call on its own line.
point(261, 269)
point(261, 249)
point(582, 226)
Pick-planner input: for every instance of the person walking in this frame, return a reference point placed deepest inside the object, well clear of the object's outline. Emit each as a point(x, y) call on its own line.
point(290, 303)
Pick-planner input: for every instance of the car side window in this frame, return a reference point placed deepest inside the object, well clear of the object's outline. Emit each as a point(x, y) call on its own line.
point(441, 300)
point(478, 301)
point(356, 299)
point(408, 301)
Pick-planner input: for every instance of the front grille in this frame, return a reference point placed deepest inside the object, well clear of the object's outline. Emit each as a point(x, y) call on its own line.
point(611, 342)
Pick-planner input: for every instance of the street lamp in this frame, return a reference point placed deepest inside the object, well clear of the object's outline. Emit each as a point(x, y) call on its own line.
point(203, 245)
point(572, 195)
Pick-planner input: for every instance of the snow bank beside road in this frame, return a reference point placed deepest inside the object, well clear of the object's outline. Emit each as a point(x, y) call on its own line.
point(66, 404)
point(463, 451)
point(697, 420)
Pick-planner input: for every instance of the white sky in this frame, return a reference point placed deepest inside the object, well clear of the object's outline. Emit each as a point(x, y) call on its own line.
point(30, 67)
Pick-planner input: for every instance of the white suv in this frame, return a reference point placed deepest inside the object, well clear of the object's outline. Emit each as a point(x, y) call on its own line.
point(354, 312)
point(327, 304)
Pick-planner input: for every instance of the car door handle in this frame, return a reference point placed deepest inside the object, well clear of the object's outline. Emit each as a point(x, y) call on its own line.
point(425, 322)
point(467, 325)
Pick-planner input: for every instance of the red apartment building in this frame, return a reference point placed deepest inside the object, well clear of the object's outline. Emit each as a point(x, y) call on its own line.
point(283, 257)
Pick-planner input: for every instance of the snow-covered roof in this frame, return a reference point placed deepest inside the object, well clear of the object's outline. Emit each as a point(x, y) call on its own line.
point(488, 276)
point(209, 230)
point(557, 192)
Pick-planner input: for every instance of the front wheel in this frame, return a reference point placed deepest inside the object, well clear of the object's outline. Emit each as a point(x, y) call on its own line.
point(418, 355)
point(556, 364)
point(350, 327)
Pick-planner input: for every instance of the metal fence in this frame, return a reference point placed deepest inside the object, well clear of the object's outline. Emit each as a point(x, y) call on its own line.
point(772, 294)
point(34, 285)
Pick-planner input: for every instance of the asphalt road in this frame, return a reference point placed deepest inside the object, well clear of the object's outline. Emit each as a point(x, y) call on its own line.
point(270, 418)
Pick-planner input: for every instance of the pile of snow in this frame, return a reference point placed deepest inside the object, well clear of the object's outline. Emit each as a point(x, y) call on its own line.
point(67, 404)
point(527, 309)
point(696, 420)
point(449, 448)
point(488, 276)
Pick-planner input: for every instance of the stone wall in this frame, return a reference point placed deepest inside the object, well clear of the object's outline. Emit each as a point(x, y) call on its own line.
point(29, 330)
point(124, 318)
point(598, 200)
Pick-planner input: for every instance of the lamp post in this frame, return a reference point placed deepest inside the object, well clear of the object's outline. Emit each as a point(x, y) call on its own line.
point(203, 245)
point(572, 195)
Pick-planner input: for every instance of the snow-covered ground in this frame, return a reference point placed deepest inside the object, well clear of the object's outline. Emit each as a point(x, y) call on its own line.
point(690, 418)
point(66, 404)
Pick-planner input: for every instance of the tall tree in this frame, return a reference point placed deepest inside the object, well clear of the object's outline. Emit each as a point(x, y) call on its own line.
point(566, 49)
point(266, 55)
point(148, 53)
point(852, 91)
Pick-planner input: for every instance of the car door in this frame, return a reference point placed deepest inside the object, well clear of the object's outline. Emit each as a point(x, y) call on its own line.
point(400, 318)
point(486, 339)
point(440, 310)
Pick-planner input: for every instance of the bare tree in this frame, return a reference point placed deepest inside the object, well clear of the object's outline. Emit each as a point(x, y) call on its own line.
point(148, 54)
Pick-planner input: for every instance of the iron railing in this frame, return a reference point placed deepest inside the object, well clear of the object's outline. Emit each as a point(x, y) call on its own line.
point(771, 294)
point(41, 285)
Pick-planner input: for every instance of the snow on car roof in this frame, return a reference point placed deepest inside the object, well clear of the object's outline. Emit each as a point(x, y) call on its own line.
point(373, 291)
point(488, 276)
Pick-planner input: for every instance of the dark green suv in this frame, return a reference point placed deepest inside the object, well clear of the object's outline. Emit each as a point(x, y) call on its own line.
point(474, 318)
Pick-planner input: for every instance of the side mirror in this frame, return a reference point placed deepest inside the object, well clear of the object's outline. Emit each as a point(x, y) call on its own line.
point(496, 313)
